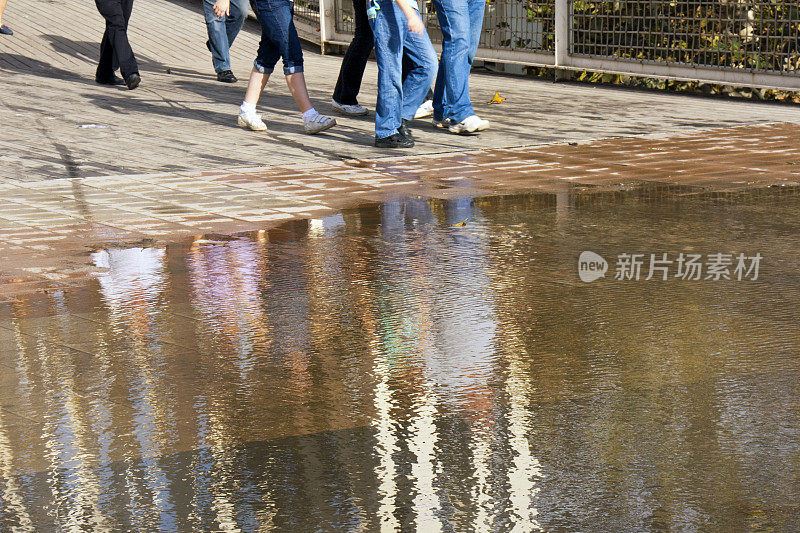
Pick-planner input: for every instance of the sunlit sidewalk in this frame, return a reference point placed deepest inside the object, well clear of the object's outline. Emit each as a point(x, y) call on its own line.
point(56, 122)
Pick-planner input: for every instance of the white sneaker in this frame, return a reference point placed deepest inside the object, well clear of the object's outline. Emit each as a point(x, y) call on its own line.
point(355, 110)
point(471, 124)
point(425, 110)
point(252, 121)
point(319, 123)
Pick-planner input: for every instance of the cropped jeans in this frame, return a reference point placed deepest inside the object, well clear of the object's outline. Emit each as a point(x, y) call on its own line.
point(278, 37)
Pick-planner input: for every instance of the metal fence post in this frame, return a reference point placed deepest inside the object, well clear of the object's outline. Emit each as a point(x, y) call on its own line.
point(562, 39)
point(326, 28)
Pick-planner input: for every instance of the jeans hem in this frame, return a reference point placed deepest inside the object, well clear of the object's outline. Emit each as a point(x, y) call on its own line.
point(392, 132)
point(262, 69)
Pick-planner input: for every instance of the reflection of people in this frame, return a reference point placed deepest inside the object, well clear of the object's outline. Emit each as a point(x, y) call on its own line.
point(461, 22)
point(222, 31)
point(4, 30)
point(115, 50)
point(278, 40)
point(134, 279)
point(397, 29)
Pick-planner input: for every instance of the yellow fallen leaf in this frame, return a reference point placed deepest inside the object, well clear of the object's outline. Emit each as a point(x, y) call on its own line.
point(462, 223)
point(497, 99)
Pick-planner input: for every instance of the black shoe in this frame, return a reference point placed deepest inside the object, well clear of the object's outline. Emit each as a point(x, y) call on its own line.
point(113, 80)
point(404, 131)
point(208, 45)
point(394, 140)
point(226, 76)
point(133, 81)
point(5, 30)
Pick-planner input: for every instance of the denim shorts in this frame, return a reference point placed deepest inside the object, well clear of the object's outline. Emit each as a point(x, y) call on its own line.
point(278, 37)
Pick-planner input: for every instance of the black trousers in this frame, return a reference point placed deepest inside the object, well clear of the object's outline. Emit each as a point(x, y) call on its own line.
point(355, 59)
point(115, 50)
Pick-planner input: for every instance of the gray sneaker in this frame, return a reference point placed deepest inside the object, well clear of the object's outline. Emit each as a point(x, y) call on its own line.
point(353, 110)
point(319, 123)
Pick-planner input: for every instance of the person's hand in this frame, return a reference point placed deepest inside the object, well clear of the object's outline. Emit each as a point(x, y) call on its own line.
point(222, 8)
point(415, 24)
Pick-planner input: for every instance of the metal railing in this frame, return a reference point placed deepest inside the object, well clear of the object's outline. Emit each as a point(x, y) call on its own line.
point(752, 43)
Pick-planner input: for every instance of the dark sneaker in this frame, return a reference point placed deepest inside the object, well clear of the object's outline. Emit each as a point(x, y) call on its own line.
point(133, 81)
point(226, 76)
point(5, 30)
point(404, 131)
point(113, 80)
point(394, 140)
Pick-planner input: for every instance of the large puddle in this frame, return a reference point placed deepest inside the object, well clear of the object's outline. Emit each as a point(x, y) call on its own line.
point(391, 369)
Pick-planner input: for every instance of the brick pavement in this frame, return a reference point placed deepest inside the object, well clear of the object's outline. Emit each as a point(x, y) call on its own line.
point(57, 123)
point(83, 166)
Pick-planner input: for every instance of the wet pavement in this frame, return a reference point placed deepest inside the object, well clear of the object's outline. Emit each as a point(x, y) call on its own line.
point(421, 363)
point(207, 330)
point(47, 228)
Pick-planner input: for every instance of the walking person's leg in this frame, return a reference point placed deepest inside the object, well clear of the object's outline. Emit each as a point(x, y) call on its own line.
point(422, 63)
point(351, 73)
point(279, 39)
point(389, 29)
point(426, 108)
point(217, 42)
point(117, 13)
point(264, 64)
point(126, 61)
point(476, 9)
point(460, 23)
point(105, 66)
point(235, 21)
point(441, 110)
point(4, 30)
point(421, 58)
point(224, 20)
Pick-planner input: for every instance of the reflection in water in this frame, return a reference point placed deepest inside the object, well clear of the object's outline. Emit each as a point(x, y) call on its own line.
point(384, 369)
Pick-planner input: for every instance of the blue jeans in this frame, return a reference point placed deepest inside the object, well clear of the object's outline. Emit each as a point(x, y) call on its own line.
point(222, 31)
point(278, 37)
point(461, 22)
point(398, 99)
